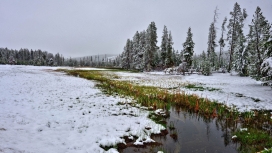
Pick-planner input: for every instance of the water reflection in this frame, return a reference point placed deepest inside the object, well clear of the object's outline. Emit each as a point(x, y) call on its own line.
point(193, 134)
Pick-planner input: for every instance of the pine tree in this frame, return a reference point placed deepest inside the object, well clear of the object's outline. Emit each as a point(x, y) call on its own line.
point(181, 58)
point(135, 50)
point(239, 55)
point(211, 39)
point(203, 55)
point(195, 61)
point(188, 48)
point(131, 55)
point(156, 59)
point(258, 35)
point(266, 67)
point(211, 43)
point(235, 26)
point(206, 68)
point(151, 46)
point(126, 55)
point(164, 45)
point(222, 41)
point(169, 60)
point(175, 56)
point(141, 53)
point(268, 45)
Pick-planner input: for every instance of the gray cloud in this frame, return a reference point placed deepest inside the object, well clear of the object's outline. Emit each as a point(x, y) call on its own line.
point(88, 27)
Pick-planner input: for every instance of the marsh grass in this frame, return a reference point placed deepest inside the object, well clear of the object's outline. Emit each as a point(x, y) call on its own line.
point(200, 88)
point(253, 140)
point(266, 150)
point(157, 98)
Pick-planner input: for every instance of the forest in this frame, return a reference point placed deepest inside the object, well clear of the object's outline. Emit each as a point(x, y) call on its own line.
point(249, 53)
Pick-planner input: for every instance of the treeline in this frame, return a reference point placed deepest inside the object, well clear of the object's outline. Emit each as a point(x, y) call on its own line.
point(249, 55)
point(44, 58)
point(30, 57)
point(105, 60)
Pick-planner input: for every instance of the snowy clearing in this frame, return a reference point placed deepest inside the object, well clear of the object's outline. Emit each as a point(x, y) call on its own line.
point(46, 111)
point(243, 92)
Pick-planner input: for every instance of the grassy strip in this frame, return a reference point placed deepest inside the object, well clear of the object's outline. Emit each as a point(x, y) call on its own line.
point(155, 98)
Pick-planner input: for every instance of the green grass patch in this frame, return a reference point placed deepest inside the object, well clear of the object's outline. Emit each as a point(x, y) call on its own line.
point(158, 119)
point(253, 139)
point(200, 88)
point(267, 150)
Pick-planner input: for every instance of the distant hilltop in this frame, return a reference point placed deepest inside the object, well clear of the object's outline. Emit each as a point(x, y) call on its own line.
point(98, 57)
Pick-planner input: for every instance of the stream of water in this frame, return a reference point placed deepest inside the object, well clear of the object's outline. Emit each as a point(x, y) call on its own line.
point(191, 133)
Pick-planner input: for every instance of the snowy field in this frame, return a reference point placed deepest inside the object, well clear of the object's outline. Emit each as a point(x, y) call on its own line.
point(242, 92)
point(44, 111)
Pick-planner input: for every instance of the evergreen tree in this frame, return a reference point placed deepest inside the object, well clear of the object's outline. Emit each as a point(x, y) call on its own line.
point(211, 39)
point(222, 41)
point(188, 48)
point(164, 45)
point(126, 55)
point(169, 60)
point(135, 49)
point(268, 45)
point(235, 26)
point(142, 45)
point(131, 55)
point(195, 61)
point(151, 46)
point(239, 56)
point(211, 43)
point(181, 58)
point(175, 58)
point(258, 35)
point(266, 67)
point(205, 66)
point(156, 59)
point(203, 55)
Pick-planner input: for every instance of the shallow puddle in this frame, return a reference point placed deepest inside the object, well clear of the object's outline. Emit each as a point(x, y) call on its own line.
point(189, 132)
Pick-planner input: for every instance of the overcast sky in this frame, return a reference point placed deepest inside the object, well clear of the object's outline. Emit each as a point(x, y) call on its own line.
point(77, 28)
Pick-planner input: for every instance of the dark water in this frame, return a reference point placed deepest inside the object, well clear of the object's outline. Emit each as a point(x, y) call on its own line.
point(194, 134)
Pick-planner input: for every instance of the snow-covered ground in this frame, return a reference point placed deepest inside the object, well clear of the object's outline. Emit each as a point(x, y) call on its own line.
point(46, 111)
point(243, 92)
